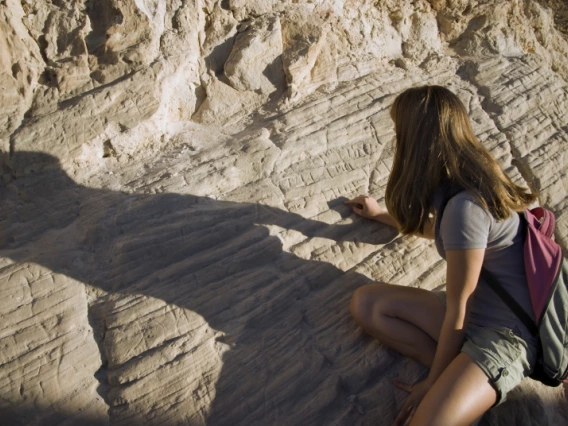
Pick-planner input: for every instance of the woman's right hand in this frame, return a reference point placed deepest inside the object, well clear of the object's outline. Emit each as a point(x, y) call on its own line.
point(367, 207)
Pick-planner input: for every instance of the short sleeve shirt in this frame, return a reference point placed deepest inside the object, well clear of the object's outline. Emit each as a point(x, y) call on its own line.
point(465, 224)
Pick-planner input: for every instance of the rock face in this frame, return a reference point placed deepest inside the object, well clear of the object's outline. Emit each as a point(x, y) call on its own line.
point(174, 248)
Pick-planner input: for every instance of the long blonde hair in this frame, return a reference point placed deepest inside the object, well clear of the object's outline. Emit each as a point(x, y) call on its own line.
point(436, 146)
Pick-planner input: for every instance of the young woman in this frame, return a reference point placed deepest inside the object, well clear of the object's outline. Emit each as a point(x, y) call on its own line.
point(445, 185)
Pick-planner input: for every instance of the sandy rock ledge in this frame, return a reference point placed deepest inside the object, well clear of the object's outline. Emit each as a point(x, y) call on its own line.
point(174, 247)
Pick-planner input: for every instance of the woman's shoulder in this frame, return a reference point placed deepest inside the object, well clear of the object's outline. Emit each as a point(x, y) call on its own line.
point(467, 206)
point(464, 223)
point(467, 198)
point(463, 201)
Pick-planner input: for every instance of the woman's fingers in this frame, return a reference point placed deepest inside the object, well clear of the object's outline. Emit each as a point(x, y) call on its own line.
point(417, 392)
point(358, 204)
point(355, 204)
point(365, 206)
point(403, 415)
point(407, 408)
point(404, 386)
point(357, 200)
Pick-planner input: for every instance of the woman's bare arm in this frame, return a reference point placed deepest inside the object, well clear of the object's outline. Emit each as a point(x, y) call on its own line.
point(368, 207)
point(463, 269)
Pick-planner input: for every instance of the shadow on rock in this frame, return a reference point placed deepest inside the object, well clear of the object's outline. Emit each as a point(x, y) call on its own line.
point(292, 357)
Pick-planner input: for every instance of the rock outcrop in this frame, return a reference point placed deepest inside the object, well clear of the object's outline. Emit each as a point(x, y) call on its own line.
point(173, 240)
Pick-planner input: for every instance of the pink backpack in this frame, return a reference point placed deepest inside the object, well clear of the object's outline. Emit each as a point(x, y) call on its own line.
point(547, 276)
point(543, 258)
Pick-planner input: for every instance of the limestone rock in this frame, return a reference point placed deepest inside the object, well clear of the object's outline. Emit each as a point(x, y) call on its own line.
point(21, 66)
point(80, 125)
point(174, 246)
point(255, 62)
point(219, 36)
point(303, 38)
point(422, 38)
point(224, 102)
point(507, 28)
point(244, 8)
point(49, 354)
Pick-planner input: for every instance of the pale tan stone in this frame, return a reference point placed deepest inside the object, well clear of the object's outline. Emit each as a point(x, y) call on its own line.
point(255, 62)
point(174, 247)
point(218, 37)
point(21, 66)
point(49, 355)
point(303, 36)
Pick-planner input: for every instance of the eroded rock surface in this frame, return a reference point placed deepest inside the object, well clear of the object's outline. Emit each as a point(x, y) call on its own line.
point(174, 244)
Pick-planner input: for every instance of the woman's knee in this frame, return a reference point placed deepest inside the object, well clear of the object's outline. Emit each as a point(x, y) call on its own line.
point(357, 305)
point(363, 305)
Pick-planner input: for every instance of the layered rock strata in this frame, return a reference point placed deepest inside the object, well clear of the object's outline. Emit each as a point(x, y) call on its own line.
point(173, 240)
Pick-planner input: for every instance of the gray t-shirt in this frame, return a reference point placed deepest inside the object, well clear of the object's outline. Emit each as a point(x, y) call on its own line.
point(467, 225)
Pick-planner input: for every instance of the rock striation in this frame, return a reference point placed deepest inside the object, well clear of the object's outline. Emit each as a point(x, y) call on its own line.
point(174, 248)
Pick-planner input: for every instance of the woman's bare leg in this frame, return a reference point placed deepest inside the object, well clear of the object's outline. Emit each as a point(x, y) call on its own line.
point(459, 397)
point(406, 319)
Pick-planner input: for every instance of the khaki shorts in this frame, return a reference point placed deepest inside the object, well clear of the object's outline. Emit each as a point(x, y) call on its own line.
point(504, 357)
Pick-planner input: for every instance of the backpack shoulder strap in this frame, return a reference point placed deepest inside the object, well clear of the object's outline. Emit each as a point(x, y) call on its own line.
point(509, 301)
point(542, 220)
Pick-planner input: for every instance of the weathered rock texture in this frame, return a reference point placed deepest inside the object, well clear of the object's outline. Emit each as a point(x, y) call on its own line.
point(173, 240)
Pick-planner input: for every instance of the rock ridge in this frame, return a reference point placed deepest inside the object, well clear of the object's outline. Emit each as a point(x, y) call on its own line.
point(174, 247)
